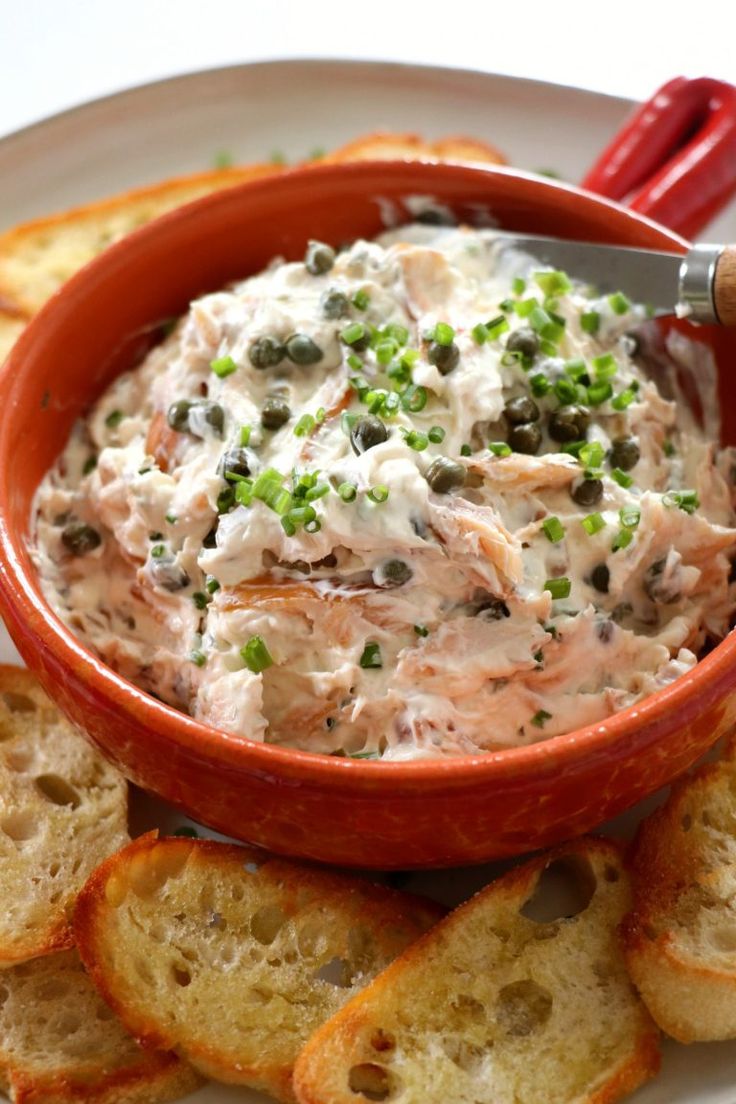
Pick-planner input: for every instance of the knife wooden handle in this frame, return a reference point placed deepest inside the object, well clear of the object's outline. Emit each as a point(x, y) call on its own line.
point(724, 287)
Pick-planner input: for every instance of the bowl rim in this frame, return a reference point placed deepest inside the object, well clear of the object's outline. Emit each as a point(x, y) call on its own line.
point(23, 602)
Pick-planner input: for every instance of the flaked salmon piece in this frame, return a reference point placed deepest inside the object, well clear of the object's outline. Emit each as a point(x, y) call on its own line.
point(429, 280)
point(477, 540)
point(162, 442)
point(528, 472)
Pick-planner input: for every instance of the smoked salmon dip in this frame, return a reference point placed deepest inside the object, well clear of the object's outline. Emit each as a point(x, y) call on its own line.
point(415, 498)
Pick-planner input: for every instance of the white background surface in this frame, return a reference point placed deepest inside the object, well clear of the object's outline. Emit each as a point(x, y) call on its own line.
point(56, 53)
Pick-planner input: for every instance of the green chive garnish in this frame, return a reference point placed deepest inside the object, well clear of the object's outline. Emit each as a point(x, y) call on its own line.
point(436, 435)
point(590, 322)
point(158, 550)
point(630, 516)
point(172, 519)
point(414, 399)
point(496, 327)
point(618, 303)
point(304, 426)
point(558, 588)
point(566, 391)
point(89, 465)
point(498, 448)
point(480, 333)
point(591, 454)
point(465, 450)
point(352, 333)
point(416, 441)
point(245, 431)
point(347, 491)
point(605, 366)
point(599, 393)
point(114, 418)
point(200, 600)
point(197, 658)
point(668, 449)
point(518, 285)
point(623, 399)
point(421, 630)
point(593, 524)
point(256, 655)
point(554, 530)
point(553, 282)
point(540, 717)
point(223, 366)
point(211, 584)
point(622, 540)
point(361, 299)
point(378, 493)
point(539, 384)
point(575, 369)
point(443, 334)
point(622, 478)
point(686, 500)
point(371, 657)
point(523, 307)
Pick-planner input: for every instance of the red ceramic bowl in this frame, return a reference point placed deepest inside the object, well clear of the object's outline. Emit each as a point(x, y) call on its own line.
point(428, 813)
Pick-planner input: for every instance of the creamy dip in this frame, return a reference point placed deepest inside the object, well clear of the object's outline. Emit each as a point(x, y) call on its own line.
point(415, 499)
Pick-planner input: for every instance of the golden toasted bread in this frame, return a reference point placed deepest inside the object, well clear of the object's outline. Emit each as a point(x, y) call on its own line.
point(504, 1002)
point(63, 808)
point(230, 957)
point(681, 935)
point(61, 1044)
point(37, 257)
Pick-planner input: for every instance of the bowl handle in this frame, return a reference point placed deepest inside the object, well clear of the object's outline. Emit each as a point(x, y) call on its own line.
point(674, 159)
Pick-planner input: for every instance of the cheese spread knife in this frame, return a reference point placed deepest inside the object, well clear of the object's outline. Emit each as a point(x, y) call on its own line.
point(699, 285)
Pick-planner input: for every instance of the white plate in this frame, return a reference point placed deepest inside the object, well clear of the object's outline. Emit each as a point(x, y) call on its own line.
point(250, 111)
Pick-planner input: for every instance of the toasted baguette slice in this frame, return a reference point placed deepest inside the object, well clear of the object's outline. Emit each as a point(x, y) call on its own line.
point(60, 1043)
point(681, 935)
point(63, 808)
point(37, 257)
point(385, 145)
point(494, 1007)
point(233, 958)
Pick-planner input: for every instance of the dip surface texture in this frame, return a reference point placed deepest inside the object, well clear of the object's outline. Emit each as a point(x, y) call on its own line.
point(420, 498)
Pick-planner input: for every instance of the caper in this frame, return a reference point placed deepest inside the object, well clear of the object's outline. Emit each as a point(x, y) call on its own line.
point(588, 492)
point(319, 258)
point(659, 586)
point(392, 573)
point(569, 423)
point(445, 475)
point(525, 438)
point(436, 216)
point(360, 343)
point(624, 454)
point(300, 349)
point(168, 574)
point(334, 304)
point(266, 352)
point(178, 415)
point(521, 409)
point(275, 412)
point(367, 431)
point(494, 610)
point(444, 357)
point(600, 577)
point(79, 538)
point(235, 462)
point(524, 341)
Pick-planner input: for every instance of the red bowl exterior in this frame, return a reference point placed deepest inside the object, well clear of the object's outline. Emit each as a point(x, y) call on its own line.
point(382, 815)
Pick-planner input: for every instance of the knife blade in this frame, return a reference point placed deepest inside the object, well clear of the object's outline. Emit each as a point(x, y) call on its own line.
point(669, 283)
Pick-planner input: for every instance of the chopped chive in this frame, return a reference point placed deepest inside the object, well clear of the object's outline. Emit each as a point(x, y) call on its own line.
point(320, 416)
point(415, 440)
point(318, 491)
point(256, 655)
point(371, 657)
point(618, 303)
point(89, 465)
point(553, 282)
point(549, 349)
point(575, 369)
point(379, 493)
point(506, 305)
point(197, 658)
point(288, 525)
point(539, 384)
point(590, 322)
point(304, 426)
point(668, 449)
point(549, 326)
point(599, 393)
point(200, 600)
point(226, 499)
point(354, 362)
point(421, 630)
point(300, 515)
point(312, 526)
point(572, 448)
point(245, 432)
point(518, 285)
point(211, 584)
point(591, 454)
point(686, 500)
point(622, 540)
point(465, 450)
point(158, 550)
point(554, 530)
point(347, 491)
point(385, 351)
point(396, 331)
point(558, 588)
point(436, 435)
point(593, 524)
point(361, 299)
point(498, 448)
point(243, 492)
point(605, 366)
point(268, 489)
point(540, 717)
point(414, 399)
point(356, 331)
point(630, 516)
point(623, 399)
point(479, 333)
point(172, 519)
point(524, 307)
point(566, 391)
point(223, 366)
point(114, 418)
point(622, 478)
point(443, 334)
point(496, 327)
point(347, 422)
